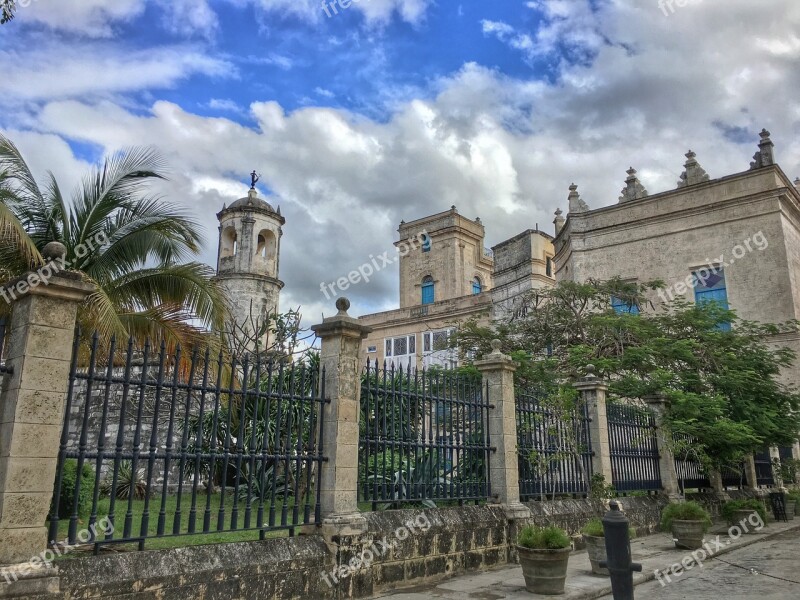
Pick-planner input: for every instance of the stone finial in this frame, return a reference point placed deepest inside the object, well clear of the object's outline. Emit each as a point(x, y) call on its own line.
point(453, 208)
point(797, 183)
point(694, 173)
point(590, 372)
point(478, 220)
point(576, 204)
point(766, 152)
point(559, 220)
point(496, 344)
point(54, 251)
point(633, 190)
point(343, 305)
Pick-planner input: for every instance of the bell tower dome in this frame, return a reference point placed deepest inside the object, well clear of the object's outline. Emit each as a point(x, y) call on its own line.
point(248, 259)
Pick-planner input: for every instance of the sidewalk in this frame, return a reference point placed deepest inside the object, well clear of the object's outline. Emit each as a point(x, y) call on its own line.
point(653, 552)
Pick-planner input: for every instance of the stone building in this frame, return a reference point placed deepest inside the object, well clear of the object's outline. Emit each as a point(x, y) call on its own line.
point(734, 240)
point(248, 260)
point(449, 276)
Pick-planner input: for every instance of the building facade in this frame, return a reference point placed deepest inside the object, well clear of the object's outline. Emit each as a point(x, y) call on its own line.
point(448, 277)
point(734, 240)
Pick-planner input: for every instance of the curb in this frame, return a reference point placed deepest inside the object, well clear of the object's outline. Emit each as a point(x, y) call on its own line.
point(651, 576)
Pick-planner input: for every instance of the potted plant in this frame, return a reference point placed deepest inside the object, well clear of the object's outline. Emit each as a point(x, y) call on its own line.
point(543, 555)
point(688, 522)
point(594, 538)
point(741, 511)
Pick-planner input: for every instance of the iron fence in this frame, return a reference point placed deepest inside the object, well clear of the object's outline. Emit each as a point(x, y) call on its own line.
point(733, 476)
point(555, 447)
point(764, 473)
point(423, 437)
point(4, 368)
point(633, 448)
point(157, 444)
point(788, 465)
point(690, 471)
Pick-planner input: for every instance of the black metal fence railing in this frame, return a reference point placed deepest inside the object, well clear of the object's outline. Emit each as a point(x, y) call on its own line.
point(423, 437)
point(733, 476)
point(4, 368)
point(555, 447)
point(157, 444)
point(788, 465)
point(633, 448)
point(764, 473)
point(690, 471)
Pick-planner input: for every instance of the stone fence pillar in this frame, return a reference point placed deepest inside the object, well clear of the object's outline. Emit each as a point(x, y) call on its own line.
point(341, 337)
point(498, 375)
point(593, 391)
point(31, 418)
point(666, 457)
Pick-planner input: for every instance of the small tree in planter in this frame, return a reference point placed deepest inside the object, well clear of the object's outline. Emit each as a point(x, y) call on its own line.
point(544, 555)
point(688, 522)
point(595, 540)
point(741, 511)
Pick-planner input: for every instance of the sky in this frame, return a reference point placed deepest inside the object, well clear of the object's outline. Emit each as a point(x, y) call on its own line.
point(389, 110)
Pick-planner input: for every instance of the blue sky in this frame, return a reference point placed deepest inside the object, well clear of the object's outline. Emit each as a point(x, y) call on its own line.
point(394, 109)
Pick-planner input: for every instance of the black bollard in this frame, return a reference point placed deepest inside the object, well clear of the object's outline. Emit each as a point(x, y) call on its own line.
point(618, 553)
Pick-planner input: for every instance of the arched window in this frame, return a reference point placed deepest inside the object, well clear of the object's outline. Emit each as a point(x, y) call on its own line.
point(428, 291)
point(230, 244)
point(477, 288)
point(426, 242)
point(266, 244)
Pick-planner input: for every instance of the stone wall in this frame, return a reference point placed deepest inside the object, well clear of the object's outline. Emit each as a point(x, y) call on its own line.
point(400, 549)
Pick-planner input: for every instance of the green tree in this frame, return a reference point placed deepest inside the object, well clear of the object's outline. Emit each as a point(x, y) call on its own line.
point(723, 386)
point(7, 8)
point(135, 247)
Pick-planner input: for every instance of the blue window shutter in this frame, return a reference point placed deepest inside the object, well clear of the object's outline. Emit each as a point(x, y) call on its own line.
point(428, 293)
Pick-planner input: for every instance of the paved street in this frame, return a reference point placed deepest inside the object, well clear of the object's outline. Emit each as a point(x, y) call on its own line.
point(774, 551)
point(777, 557)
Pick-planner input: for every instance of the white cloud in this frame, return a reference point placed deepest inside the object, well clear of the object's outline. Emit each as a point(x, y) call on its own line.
point(190, 17)
point(93, 18)
point(636, 89)
point(57, 69)
point(375, 12)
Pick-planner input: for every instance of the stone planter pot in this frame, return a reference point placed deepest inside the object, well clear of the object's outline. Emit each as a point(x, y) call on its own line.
point(791, 508)
point(688, 534)
point(743, 516)
point(596, 547)
point(545, 571)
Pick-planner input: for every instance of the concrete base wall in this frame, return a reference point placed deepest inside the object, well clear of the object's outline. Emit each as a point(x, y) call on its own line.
point(404, 548)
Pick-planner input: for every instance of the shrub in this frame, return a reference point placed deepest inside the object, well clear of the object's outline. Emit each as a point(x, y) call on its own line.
point(547, 538)
point(594, 528)
point(128, 482)
point(685, 511)
point(729, 508)
point(793, 496)
point(66, 502)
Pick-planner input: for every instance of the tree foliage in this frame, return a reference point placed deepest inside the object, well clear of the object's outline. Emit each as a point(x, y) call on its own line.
point(137, 249)
point(724, 387)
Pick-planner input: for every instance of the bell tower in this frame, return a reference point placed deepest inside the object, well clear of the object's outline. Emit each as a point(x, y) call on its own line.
point(248, 259)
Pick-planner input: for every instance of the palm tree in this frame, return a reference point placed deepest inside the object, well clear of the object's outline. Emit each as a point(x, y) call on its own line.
point(133, 246)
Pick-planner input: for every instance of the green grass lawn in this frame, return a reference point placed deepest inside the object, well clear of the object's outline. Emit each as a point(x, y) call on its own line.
point(185, 539)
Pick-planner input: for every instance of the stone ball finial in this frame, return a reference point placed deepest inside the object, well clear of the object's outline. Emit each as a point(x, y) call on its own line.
point(590, 370)
point(54, 251)
point(496, 345)
point(343, 305)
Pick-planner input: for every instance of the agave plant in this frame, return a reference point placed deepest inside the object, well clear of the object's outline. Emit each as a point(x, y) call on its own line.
point(130, 483)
